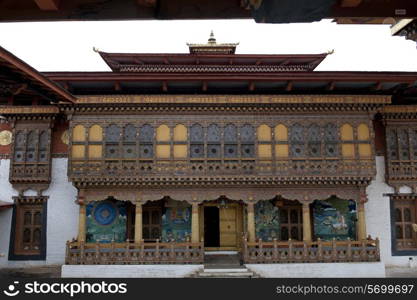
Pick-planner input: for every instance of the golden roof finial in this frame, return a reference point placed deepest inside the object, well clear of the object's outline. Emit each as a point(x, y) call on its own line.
point(96, 49)
point(330, 51)
point(212, 39)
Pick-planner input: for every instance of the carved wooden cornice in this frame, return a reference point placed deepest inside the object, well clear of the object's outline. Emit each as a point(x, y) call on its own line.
point(213, 68)
point(399, 112)
point(399, 196)
point(265, 104)
point(235, 99)
point(30, 199)
point(225, 181)
point(40, 112)
point(245, 194)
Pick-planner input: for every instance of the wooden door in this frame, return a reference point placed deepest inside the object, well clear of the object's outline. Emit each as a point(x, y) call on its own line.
point(228, 227)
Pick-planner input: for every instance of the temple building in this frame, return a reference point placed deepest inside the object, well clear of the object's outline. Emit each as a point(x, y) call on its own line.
point(170, 157)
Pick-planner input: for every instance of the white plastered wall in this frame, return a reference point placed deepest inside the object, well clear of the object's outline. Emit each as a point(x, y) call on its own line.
point(378, 216)
point(62, 214)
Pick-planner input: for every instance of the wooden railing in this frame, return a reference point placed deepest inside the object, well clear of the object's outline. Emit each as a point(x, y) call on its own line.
point(310, 252)
point(81, 253)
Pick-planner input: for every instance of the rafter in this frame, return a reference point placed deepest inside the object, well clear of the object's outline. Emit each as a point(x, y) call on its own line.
point(48, 4)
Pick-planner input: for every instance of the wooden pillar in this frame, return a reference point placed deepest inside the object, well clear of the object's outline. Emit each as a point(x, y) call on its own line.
point(138, 222)
point(195, 224)
point(82, 217)
point(251, 222)
point(361, 221)
point(306, 222)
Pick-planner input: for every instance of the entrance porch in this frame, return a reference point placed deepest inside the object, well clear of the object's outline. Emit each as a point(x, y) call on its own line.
point(166, 231)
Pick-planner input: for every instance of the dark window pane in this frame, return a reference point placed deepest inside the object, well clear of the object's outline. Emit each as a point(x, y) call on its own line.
point(27, 218)
point(407, 215)
point(213, 133)
point(398, 215)
point(284, 233)
point(146, 133)
point(113, 134)
point(129, 133)
point(38, 218)
point(196, 133)
point(230, 133)
point(26, 235)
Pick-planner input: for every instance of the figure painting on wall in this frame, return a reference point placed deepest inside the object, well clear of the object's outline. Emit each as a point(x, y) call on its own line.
point(176, 224)
point(334, 218)
point(267, 221)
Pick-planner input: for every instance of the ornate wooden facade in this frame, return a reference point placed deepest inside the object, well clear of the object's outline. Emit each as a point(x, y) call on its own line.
point(163, 143)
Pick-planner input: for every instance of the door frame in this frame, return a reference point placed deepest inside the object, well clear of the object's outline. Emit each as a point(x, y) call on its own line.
point(239, 223)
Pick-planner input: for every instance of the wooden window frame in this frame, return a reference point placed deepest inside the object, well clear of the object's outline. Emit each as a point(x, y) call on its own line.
point(396, 251)
point(17, 225)
point(289, 225)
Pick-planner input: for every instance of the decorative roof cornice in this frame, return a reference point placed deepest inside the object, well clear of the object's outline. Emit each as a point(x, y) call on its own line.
point(215, 68)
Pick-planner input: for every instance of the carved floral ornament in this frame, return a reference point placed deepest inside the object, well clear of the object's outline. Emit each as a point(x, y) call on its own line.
point(237, 194)
point(5, 137)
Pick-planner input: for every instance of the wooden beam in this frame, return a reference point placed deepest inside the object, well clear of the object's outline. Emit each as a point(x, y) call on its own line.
point(378, 86)
point(258, 62)
point(350, 3)
point(117, 86)
point(146, 3)
point(288, 88)
point(165, 86)
point(166, 61)
point(204, 87)
point(48, 4)
point(251, 86)
point(285, 62)
point(330, 86)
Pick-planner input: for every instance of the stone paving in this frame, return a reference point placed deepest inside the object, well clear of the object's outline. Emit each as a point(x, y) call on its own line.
point(55, 271)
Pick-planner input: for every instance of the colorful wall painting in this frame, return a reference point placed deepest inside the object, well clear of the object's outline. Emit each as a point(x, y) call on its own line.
point(176, 222)
point(106, 221)
point(334, 218)
point(267, 221)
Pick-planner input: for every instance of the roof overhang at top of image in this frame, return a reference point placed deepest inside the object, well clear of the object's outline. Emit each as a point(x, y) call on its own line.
point(15, 71)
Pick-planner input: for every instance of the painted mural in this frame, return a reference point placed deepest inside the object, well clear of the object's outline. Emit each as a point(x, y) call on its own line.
point(106, 221)
point(267, 221)
point(176, 223)
point(334, 218)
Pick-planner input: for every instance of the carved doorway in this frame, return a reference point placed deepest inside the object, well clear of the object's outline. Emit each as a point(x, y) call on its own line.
point(211, 226)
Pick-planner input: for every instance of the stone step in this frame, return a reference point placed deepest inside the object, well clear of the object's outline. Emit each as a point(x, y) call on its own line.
point(224, 270)
point(246, 274)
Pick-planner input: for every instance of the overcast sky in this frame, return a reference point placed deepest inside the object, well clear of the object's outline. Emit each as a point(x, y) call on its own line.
point(68, 46)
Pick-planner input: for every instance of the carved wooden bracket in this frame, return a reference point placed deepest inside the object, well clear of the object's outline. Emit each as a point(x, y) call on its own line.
point(248, 195)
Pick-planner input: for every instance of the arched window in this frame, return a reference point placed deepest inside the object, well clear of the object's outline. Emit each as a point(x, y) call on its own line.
point(43, 146)
point(247, 141)
point(392, 144)
point(230, 141)
point(404, 143)
point(196, 141)
point(213, 141)
point(264, 135)
point(129, 141)
point(364, 141)
point(19, 150)
point(348, 146)
point(314, 140)
point(113, 137)
point(331, 140)
point(180, 142)
point(31, 146)
point(95, 142)
point(163, 137)
point(297, 140)
point(281, 141)
point(146, 140)
point(78, 142)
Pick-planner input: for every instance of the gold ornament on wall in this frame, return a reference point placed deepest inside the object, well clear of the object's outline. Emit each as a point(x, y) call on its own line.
point(65, 137)
point(5, 137)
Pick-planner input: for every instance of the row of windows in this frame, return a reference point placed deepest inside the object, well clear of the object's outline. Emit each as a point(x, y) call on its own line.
point(402, 143)
point(216, 141)
point(31, 146)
